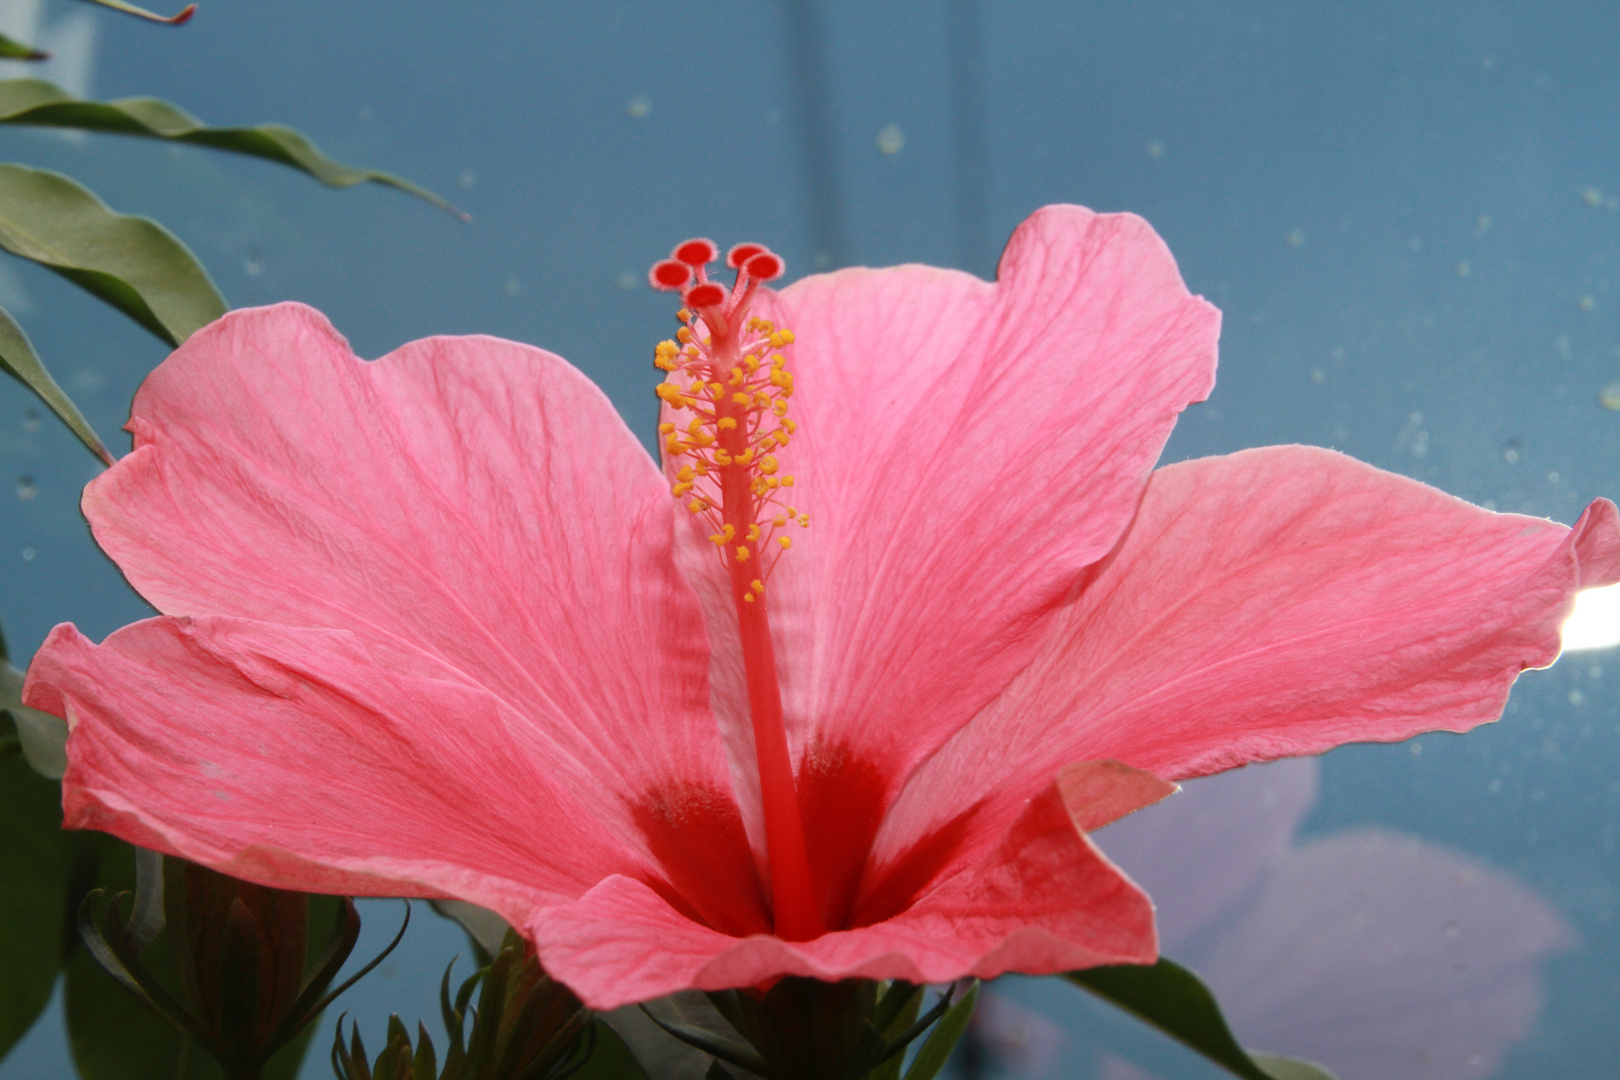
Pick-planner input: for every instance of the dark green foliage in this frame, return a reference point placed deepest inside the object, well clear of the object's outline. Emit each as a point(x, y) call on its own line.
point(526, 1026)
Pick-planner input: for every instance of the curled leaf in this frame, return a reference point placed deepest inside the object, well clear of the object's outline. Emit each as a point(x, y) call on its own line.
point(141, 13)
point(38, 103)
point(20, 361)
point(132, 263)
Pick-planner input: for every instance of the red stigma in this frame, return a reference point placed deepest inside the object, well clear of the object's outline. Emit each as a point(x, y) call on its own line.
point(741, 253)
point(764, 266)
point(705, 295)
point(669, 275)
point(696, 253)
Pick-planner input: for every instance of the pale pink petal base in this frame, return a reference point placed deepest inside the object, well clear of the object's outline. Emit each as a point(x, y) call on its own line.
point(1046, 900)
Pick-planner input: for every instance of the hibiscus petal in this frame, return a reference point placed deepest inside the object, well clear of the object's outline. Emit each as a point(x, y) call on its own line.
point(297, 758)
point(965, 449)
point(1271, 603)
point(471, 497)
point(1045, 900)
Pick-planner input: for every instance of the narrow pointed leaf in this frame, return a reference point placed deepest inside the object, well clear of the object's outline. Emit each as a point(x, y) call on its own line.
point(34, 102)
point(11, 49)
point(132, 263)
point(1286, 1068)
point(142, 13)
point(1174, 1000)
point(20, 361)
point(943, 1039)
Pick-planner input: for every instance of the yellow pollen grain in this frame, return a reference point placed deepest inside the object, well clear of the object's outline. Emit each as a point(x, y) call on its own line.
point(780, 408)
point(789, 426)
point(665, 429)
point(736, 376)
point(697, 506)
point(740, 399)
point(773, 483)
point(742, 553)
point(748, 597)
point(685, 473)
point(787, 481)
point(785, 541)
point(767, 465)
point(695, 426)
point(725, 423)
point(674, 447)
point(757, 585)
point(751, 362)
point(722, 458)
point(746, 456)
point(684, 335)
point(753, 532)
point(684, 315)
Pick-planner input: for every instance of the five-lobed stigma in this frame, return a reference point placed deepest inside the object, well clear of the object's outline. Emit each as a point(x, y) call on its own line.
point(727, 387)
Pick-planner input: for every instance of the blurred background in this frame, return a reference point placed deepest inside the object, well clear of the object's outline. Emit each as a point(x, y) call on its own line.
point(1409, 213)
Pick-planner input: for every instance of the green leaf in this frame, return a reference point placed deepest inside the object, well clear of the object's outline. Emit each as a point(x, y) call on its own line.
point(20, 361)
point(132, 263)
point(11, 49)
point(1286, 1068)
point(943, 1039)
point(113, 1036)
point(142, 13)
point(1174, 1000)
point(611, 1060)
point(31, 101)
point(35, 859)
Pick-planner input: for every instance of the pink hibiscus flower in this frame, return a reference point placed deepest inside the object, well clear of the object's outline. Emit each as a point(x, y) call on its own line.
point(433, 625)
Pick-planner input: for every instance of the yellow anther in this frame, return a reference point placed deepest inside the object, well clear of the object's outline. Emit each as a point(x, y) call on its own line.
point(785, 541)
point(684, 335)
point(726, 534)
point(697, 506)
point(742, 553)
point(684, 315)
point(745, 457)
point(748, 597)
point(757, 585)
point(787, 481)
point(665, 428)
point(691, 352)
point(778, 361)
point(702, 468)
point(680, 489)
point(766, 326)
point(702, 438)
point(695, 426)
point(773, 483)
point(708, 339)
point(751, 362)
point(716, 390)
point(726, 423)
point(721, 457)
point(804, 521)
point(780, 408)
point(740, 398)
point(685, 474)
point(753, 532)
point(767, 465)
point(779, 521)
point(736, 376)
point(674, 447)
point(762, 398)
point(788, 426)
point(781, 338)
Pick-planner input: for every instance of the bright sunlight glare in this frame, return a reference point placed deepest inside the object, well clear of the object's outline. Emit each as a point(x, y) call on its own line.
point(1595, 622)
